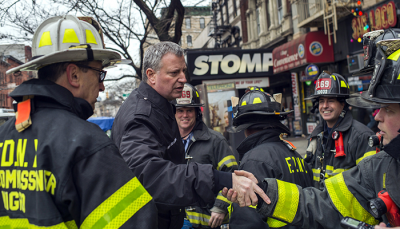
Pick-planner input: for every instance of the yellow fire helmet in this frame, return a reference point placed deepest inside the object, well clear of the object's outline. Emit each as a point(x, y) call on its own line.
point(68, 39)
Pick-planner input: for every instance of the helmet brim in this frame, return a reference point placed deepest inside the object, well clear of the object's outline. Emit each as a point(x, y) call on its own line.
point(189, 105)
point(260, 125)
point(262, 113)
point(326, 95)
point(362, 101)
point(364, 71)
point(108, 58)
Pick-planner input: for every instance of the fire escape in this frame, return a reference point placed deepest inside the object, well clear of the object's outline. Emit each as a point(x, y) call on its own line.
point(326, 13)
point(218, 30)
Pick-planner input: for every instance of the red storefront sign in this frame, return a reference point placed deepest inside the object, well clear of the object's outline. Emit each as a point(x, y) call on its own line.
point(381, 17)
point(312, 47)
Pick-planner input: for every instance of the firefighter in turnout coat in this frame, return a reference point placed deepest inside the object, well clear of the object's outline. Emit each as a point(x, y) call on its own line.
point(265, 153)
point(204, 146)
point(57, 169)
point(339, 142)
point(368, 192)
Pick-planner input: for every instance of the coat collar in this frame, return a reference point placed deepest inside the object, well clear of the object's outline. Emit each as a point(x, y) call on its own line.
point(344, 125)
point(270, 135)
point(156, 99)
point(200, 131)
point(46, 92)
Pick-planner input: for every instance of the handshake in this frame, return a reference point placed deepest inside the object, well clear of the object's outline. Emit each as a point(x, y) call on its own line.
point(244, 190)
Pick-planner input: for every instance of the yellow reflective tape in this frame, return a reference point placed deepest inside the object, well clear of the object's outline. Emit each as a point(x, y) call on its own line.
point(343, 84)
point(244, 103)
point(198, 218)
point(119, 207)
point(197, 94)
point(274, 223)
point(334, 78)
point(329, 168)
point(231, 164)
point(345, 202)
point(90, 39)
point(394, 56)
point(257, 100)
point(6, 222)
point(70, 36)
point(384, 181)
point(288, 201)
point(367, 154)
point(222, 198)
point(398, 77)
point(316, 174)
point(222, 162)
point(45, 39)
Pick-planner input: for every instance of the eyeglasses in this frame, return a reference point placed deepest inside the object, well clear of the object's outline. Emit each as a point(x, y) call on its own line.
point(102, 73)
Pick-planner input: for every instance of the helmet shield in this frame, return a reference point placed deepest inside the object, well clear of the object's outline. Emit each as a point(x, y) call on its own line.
point(330, 85)
point(190, 97)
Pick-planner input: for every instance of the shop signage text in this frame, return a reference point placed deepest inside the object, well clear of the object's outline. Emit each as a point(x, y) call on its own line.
point(295, 93)
point(382, 17)
point(241, 83)
point(312, 47)
point(216, 87)
point(232, 63)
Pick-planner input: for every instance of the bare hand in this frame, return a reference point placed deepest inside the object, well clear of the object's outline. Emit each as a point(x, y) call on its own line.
point(216, 219)
point(383, 225)
point(245, 185)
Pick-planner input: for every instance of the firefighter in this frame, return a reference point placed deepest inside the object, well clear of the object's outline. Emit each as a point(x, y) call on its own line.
point(265, 153)
point(57, 169)
point(339, 142)
point(147, 135)
point(204, 146)
point(368, 192)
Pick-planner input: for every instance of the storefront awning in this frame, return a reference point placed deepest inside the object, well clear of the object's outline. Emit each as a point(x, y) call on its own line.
point(309, 48)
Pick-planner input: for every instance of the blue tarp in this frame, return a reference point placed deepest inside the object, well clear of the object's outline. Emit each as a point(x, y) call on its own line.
point(105, 123)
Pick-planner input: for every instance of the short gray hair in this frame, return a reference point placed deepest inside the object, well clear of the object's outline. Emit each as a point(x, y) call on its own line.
point(153, 55)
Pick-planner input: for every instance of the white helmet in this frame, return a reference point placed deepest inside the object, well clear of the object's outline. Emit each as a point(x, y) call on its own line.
point(67, 39)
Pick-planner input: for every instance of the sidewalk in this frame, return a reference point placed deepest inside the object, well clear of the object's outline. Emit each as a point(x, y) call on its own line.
point(300, 143)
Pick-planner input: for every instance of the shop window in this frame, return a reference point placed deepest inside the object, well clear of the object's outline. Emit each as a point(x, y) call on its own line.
point(280, 11)
point(189, 41)
point(187, 22)
point(202, 23)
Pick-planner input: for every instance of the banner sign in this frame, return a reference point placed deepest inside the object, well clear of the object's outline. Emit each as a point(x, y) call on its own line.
point(229, 63)
point(381, 17)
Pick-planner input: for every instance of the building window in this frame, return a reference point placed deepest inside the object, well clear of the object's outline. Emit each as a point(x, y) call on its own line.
point(187, 21)
point(280, 11)
point(189, 41)
point(258, 21)
point(202, 23)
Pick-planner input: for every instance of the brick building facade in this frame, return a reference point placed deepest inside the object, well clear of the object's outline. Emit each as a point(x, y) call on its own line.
point(9, 81)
